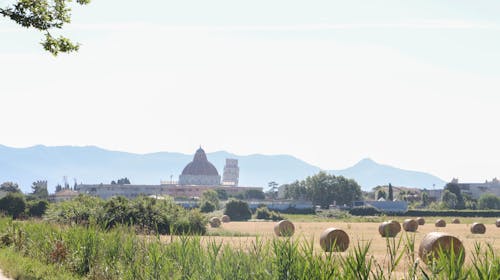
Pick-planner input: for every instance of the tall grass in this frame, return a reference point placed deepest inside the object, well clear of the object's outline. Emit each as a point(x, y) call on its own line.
point(91, 253)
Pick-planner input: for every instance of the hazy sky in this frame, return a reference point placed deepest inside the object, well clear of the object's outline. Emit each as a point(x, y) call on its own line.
point(414, 84)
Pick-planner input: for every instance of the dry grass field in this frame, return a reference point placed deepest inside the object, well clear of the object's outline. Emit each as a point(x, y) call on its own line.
point(361, 232)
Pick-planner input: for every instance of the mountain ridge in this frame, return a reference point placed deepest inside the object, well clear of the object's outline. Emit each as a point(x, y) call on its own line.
point(92, 164)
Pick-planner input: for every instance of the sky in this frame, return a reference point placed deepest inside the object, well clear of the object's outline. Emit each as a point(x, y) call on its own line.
point(413, 84)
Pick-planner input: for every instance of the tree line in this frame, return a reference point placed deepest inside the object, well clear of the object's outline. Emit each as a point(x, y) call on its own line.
point(324, 189)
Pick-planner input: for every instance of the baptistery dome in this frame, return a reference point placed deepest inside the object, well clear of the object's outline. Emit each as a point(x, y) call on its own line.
point(199, 171)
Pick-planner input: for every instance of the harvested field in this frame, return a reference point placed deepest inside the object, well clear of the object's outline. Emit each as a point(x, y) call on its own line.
point(357, 232)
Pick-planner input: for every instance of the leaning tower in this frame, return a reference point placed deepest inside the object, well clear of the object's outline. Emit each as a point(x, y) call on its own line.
point(231, 173)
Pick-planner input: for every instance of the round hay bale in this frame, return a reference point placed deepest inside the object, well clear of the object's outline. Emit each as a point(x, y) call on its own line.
point(478, 228)
point(214, 222)
point(389, 229)
point(498, 223)
point(440, 223)
point(455, 221)
point(410, 225)
point(334, 240)
point(226, 219)
point(433, 242)
point(420, 221)
point(284, 228)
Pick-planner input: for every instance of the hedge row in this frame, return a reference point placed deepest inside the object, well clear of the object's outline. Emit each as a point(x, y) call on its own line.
point(293, 210)
point(453, 213)
point(370, 211)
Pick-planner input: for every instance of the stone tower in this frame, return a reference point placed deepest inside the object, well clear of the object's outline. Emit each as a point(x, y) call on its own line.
point(231, 173)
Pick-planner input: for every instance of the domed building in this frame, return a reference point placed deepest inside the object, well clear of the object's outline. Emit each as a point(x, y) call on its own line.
point(200, 171)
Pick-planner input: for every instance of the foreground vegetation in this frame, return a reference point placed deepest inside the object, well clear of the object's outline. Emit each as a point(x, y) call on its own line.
point(119, 253)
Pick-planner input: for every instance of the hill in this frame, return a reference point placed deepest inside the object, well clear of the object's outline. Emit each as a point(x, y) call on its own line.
point(91, 164)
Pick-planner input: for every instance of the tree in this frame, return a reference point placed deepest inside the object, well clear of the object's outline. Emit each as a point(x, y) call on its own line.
point(10, 187)
point(489, 201)
point(254, 194)
point(449, 199)
point(36, 208)
point(455, 189)
point(123, 181)
point(221, 194)
point(296, 190)
point(44, 16)
point(273, 189)
point(39, 190)
point(207, 207)
point(425, 199)
point(324, 189)
point(238, 210)
point(13, 204)
point(381, 194)
point(210, 196)
point(391, 193)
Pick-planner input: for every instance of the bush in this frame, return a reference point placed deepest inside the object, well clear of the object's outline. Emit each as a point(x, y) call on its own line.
point(146, 214)
point(364, 211)
point(263, 213)
point(238, 210)
point(207, 207)
point(489, 201)
point(13, 204)
point(37, 208)
point(294, 210)
point(451, 213)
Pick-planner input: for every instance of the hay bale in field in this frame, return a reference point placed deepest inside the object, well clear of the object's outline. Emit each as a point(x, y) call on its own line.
point(498, 223)
point(389, 229)
point(284, 228)
point(434, 242)
point(440, 223)
point(478, 228)
point(410, 225)
point(226, 219)
point(214, 222)
point(455, 221)
point(420, 221)
point(334, 240)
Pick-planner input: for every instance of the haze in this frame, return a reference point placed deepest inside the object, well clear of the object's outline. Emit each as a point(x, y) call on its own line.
point(410, 84)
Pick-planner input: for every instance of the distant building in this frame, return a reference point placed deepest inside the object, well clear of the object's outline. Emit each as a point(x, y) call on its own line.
point(231, 173)
point(383, 205)
point(63, 195)
point(200, 171)
point(197, 177)
point(434, 195)
point(475, 190)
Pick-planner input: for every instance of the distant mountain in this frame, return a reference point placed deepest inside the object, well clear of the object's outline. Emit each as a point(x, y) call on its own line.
point(95, 165)
point(370, 174)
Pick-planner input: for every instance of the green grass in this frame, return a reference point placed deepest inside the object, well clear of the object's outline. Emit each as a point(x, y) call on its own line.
point(24, 268)
point(39, 250)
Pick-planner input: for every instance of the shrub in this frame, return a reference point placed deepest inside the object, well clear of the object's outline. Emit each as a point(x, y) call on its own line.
point(489, 201)
point(13, 204)
point(238, 210)
point(264, 213)
point(37, 208)
point(364, 211)
point(146, 214)
point(207, 207)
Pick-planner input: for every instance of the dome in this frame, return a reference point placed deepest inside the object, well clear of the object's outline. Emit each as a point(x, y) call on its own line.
point(200, 165)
